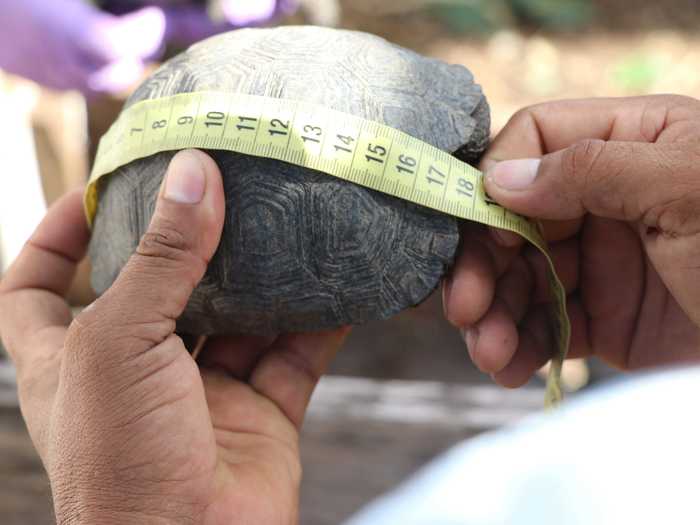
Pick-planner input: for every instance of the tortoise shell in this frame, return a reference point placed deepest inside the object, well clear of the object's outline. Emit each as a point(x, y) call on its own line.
point(301, 250)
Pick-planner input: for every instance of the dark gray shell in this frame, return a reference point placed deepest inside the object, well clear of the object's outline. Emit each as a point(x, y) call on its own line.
point(301, 250)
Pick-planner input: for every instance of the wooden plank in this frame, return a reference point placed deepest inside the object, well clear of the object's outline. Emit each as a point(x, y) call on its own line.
point(429, 403)
point(25, 497)
point(363, 437)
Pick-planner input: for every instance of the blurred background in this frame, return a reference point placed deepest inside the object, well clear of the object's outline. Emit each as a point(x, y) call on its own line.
point(401, 391)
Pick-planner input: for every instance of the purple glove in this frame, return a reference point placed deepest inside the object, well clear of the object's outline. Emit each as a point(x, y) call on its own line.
point(242, 13)
point(68, 44)
point(187, 21)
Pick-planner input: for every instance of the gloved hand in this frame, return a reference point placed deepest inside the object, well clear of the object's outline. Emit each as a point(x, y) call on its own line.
point(189, 21)
point(69, 44)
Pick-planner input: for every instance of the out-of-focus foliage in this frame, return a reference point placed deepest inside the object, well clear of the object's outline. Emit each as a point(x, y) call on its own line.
point(554, 14)
point(637, 73)
point(489, 15)
point(482, 16)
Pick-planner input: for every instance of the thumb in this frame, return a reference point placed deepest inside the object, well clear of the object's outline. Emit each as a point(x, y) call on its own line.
point(628, 181)
point(141, 307)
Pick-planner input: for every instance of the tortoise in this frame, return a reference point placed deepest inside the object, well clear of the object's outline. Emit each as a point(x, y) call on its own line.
point(301, 250)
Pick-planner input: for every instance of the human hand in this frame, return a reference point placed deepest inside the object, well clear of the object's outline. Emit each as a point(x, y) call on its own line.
point(187, 23)
point(616, 183)
point(68, 44)
point(129, 429)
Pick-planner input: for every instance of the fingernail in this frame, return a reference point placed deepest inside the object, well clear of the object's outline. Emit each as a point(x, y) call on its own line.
point(513, 174)
point(470, 336)
point(186, 181)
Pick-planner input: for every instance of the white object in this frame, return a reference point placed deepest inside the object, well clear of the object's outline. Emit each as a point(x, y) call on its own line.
point(625, 454)
point(22, 202)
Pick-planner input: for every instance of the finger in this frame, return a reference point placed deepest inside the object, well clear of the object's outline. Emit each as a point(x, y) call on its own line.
point(240, 14)
point(604, 178)
point(502, 256)
point(468, 290)
point(603, 156)
point(58, 244)
point(235, 355)
point(116, 77)
point(534, 350)
point(618, 180)
point(537, 130)
point(32, 290)
point(140, 309)
point(289, 372)
point(565, 256)
point(515, 288)
point(580, 342)
point(552, 126)
point(492, 342)
point(506, 238)
point(187, 24)
point(614, 283)
point(535, 345)
point(136, 35)
point(555, 231)
point(524, 126)
point(33, 314)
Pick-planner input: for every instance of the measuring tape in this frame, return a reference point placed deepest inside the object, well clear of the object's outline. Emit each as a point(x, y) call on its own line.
point(342, 145)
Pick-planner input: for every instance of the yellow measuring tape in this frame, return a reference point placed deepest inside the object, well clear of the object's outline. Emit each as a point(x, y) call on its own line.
point(342, 145)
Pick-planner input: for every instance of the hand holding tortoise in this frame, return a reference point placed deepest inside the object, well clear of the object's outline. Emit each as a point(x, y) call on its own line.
point(616, 183)
point(129, 429)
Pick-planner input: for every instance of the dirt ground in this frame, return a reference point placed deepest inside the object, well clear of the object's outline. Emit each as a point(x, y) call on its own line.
point(631, 48)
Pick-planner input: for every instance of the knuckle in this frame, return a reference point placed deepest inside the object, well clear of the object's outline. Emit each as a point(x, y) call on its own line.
point(674, 100)
point(653, 120)
point(164, 242)
point(524, 116)
point(589, 178)
point(94, 329)
point(676, 215)
point(659, 111)
point(582, 166)
point(580, 159)
point(671, 208)
point(530, 117)
point(166, 249)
